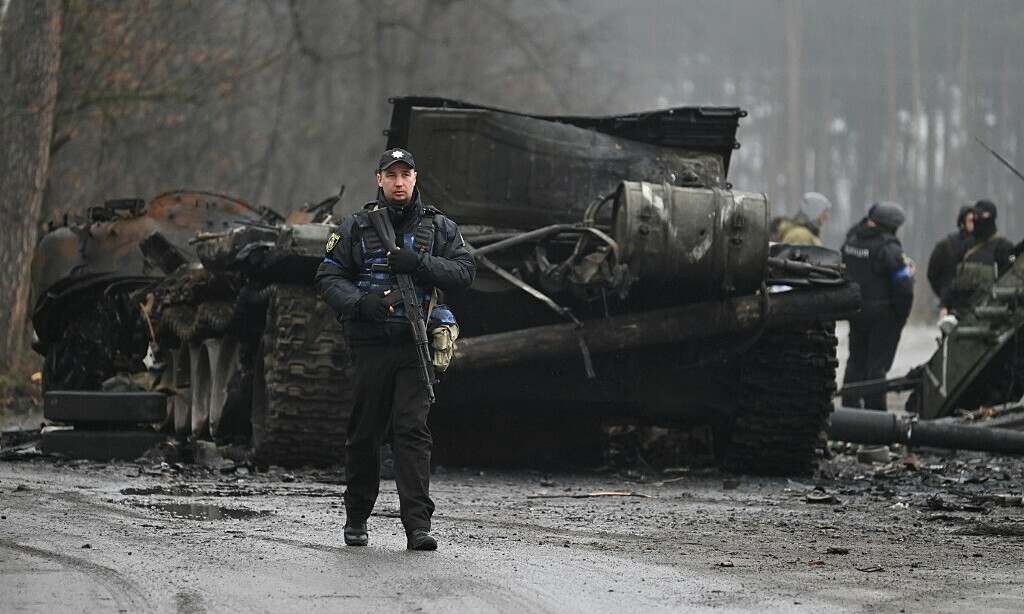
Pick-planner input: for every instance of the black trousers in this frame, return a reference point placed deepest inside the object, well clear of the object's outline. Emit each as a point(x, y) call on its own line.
point(388, 392)
point(873, 341)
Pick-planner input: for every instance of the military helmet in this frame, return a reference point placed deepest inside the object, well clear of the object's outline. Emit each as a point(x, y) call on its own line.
point(888, 214)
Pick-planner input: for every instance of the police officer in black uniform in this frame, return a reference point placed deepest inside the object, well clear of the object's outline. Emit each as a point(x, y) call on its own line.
point(388, 390)
point(981, 263)
point(875, 259)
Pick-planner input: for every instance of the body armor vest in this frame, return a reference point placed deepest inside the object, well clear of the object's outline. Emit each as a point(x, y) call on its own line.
point(420, 239)
point(861, 258)
point(977, 269)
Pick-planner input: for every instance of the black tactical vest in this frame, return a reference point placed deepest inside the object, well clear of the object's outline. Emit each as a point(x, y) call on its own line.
point(863, 265)
point(977, 269)
point(419, 238)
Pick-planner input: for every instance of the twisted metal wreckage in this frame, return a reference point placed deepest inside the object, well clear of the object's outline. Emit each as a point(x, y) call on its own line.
point(622, 280)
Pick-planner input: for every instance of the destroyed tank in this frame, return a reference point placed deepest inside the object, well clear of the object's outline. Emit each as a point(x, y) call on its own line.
point(204, 299)
point(621, 281)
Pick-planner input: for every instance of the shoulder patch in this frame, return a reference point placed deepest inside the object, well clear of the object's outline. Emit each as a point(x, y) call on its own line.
point(333, 240)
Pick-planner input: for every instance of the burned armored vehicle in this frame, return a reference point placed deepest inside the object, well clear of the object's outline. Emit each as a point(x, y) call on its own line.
point(621, 281)
point(192, 316)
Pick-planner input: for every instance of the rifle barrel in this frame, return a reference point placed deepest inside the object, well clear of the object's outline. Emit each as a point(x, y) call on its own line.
point(1005, 162)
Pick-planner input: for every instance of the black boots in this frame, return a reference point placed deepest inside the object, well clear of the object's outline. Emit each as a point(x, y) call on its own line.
point(420, 539)
point(355, 534)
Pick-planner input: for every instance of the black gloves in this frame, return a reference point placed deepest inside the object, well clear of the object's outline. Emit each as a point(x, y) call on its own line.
point(373, 307)
point(403, 261)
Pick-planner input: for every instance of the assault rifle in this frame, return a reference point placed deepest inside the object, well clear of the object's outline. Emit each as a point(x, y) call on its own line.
point(1005, 162)
point(1019, 248)
point(413, 306)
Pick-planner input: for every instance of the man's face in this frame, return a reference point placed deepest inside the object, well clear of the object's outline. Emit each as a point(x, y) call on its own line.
point(397, 182)
point(969, 222)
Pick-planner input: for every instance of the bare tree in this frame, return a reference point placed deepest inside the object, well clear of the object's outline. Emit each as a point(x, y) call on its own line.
point(29, 60)
point(794, 98)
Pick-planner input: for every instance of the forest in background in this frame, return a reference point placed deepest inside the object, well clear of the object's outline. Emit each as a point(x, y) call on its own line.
point(280, 101)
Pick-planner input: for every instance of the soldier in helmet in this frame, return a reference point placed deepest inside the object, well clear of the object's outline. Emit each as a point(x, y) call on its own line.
point(805, 227)
point(875, 259)
point(947, 252)
point(982, 263)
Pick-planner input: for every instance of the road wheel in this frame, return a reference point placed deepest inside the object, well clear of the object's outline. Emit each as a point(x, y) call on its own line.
point(302, 394)
point(779, 423)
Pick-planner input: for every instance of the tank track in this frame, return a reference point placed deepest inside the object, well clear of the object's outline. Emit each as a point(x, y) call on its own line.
point(302, 397)
point(780, 420)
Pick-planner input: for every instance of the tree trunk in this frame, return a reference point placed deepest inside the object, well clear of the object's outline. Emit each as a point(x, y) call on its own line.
point(914, 160)
point(892, 140)
point(823, 179)
point(29, 58)
point(794, 115)
point(958, 161)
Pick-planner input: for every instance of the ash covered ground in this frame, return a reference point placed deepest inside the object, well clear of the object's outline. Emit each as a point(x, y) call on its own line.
point(922, 530)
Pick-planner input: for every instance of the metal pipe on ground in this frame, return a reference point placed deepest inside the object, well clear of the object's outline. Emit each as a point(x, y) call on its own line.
point(882, 428)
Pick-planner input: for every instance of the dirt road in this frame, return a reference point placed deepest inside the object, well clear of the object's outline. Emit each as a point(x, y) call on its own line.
point(928, 533)
point(137, 538)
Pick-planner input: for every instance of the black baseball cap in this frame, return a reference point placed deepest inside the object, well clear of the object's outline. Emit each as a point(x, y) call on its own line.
point(392, 156)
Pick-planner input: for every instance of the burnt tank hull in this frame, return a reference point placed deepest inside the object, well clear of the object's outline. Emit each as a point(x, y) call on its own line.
point(202, 297)
point(630, 226)
point(621, 279)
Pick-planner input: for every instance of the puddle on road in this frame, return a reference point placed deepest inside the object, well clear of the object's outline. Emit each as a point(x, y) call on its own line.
point(229, 490)
point(173, 491)
point(199, 511)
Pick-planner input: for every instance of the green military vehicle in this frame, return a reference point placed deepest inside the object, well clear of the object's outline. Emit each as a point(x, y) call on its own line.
point(979, 361)
point(976, 370)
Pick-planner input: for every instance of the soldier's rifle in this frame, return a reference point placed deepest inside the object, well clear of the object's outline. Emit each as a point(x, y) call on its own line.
point(1019, 248)
point(1005, 162)
point(412, 303)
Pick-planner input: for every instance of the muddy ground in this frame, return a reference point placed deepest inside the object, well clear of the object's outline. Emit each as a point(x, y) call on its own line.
point(924, 534)
point(930, 531)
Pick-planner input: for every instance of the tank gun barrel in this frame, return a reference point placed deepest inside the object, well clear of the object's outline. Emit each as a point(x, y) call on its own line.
point(655, 327)
point(883, 428)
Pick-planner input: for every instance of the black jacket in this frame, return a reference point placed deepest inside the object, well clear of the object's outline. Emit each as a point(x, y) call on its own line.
point(875, 259)
point(945, 256)
point(447, 266)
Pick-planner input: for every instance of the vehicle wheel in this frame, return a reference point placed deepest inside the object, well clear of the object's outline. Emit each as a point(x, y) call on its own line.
point(302, 394)
point(180, 373)
point(780, 421)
